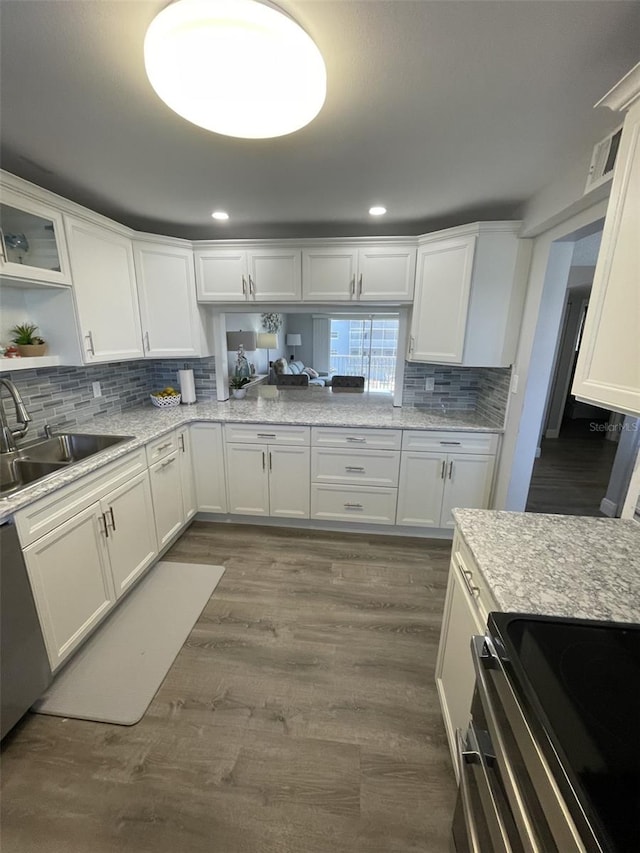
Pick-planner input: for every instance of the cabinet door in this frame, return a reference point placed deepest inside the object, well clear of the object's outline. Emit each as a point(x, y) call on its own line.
point(208, 467)
point(105, 292)
point(420, 488)
point(187, 482)
point(167, 295)
point(289, 481)
point(608, 366)
point(439, 317)
point(329, 274)
point(248, 479)
point(221, 275)
point(71, 581)
point(467, 484)
point(128, 512)
point(386, 274)
point(455, 676)
point(275, 275)
point(167, 498)
point(33, 244)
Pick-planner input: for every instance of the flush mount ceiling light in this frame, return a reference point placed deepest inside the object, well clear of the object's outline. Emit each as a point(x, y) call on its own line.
point(220, 215)
point(377, 210)
point(236, 67)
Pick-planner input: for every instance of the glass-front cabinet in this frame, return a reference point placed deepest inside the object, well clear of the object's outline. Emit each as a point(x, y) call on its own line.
point(32, 241)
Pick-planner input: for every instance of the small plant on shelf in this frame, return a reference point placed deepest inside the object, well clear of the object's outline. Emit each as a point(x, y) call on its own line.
point(28, 343)
point(237, 385)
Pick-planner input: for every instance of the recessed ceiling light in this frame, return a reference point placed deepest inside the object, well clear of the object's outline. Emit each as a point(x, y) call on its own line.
point(220, 214)
point(237, 67)
point(377, 210)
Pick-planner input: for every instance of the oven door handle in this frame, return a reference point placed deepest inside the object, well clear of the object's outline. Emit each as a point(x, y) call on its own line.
point(465, 757)
point(486, 658)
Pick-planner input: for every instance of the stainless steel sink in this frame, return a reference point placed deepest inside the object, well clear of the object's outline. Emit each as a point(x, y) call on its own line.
point(40, 459)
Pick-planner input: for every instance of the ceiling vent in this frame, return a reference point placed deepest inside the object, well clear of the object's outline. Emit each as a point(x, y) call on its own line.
point(603, 160)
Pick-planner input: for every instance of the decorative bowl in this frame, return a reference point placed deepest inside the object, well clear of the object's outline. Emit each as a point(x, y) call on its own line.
point(166, 402)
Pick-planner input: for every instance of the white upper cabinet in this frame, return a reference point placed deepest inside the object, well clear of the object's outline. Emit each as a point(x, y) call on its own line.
point(104, 286)
point(171, 325)
point(33, 245)
point(470, 286)
point(352, 273)
point(248, 275)
point(608, 366)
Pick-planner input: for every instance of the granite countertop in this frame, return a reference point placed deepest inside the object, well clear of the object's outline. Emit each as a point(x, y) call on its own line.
point(558, 565)
point(317, 407)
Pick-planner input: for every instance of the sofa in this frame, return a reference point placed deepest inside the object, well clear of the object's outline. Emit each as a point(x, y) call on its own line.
point(295, 368)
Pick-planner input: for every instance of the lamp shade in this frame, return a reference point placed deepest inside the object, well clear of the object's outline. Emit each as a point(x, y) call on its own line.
point(267, 340)
point(244, 339)
point(294, 340)
point(237, 67)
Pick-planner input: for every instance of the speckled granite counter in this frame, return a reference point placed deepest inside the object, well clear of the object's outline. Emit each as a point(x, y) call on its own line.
point(287, 407)
point(557, 565)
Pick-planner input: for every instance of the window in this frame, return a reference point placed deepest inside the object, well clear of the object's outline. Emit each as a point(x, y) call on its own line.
point(365, 346)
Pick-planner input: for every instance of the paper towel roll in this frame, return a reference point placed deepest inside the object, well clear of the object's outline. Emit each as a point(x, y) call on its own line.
point(187, 386)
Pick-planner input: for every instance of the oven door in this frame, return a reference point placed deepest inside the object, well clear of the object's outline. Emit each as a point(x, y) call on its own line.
point(482, 821)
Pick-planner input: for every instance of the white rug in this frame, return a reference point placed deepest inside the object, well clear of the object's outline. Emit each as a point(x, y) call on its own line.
point(116, 674)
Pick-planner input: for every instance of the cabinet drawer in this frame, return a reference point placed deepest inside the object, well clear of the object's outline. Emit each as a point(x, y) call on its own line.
point(374, 439)
point(462, 561)
point(362, 467)
point(373, 505)
point(450, 442)
point(266, 434)
point(161, 447)
point(43, 515)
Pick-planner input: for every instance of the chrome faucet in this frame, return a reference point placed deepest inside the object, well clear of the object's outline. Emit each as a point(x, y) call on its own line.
point(8, 434)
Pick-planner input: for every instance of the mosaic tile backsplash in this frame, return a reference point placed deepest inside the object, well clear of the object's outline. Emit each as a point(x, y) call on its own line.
point(63, 396)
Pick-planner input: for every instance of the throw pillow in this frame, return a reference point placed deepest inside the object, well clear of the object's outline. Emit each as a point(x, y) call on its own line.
point(313, 374)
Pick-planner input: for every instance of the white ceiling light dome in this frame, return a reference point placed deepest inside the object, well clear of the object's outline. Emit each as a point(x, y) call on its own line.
point(236, 67)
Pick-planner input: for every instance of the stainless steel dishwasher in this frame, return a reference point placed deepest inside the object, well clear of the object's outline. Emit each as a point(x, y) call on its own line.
point(24, 665)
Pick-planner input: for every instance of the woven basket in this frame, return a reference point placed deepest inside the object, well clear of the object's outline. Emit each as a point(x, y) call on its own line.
point(166, 402)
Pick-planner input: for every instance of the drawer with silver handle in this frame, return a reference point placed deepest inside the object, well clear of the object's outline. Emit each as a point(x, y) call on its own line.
point(367, 505)
point(161, 447)
point(450, 442)
point(362, 467)
point(370, 439)
point(266, 434)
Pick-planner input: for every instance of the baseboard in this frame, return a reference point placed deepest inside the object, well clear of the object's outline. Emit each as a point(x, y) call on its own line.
point(552, 433)
point(609, 508)
point(336, 526)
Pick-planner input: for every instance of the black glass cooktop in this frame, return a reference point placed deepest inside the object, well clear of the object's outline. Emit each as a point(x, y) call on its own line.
point(581, 681)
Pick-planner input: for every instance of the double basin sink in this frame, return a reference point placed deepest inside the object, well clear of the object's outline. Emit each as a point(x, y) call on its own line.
point(39, 459)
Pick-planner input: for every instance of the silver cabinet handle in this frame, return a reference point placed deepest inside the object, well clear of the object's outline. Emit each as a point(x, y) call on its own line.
point(147, 345)
point(244, 286)
point(443, 469)
point(113, 521)
point(353, 284)
point(90, 349)
point(163, 446)
point(450, 468)
point(270, 461)
point(3, 246)
point(168, 462)
point(266, 435)
point(354, 468)
point(353, 506)
point(105, 528)
point(182, 447)
point(356, 438)
point(360, 285)
point(467, 577)
point(452, 443)
point(412, 343)
point(264, 461)
point(252, 286)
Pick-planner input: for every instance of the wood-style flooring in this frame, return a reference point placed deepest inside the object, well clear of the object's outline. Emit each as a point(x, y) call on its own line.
point(572, 474)
point(300, 716)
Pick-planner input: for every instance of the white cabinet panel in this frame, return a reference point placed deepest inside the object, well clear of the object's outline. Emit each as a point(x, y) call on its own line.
point(275, 275)
point(357, 439)
point(266, 434)
point(329, 274)
point(343, 465)
point(128, 513)
point(288, 481)
point(386, 274)
point(248, 479)
point(441, 302)
point(208, 467)
point(105, 292)
point(221, 275)
point(71, 580)
point(167, 294)
point(358, 274)
point(187, 480)
point(248, 274)
point(420, 489)
point(372, 505)
point(467, 484)
point(167, 498)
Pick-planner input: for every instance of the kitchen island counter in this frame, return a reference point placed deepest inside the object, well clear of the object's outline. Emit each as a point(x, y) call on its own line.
point(557, 565)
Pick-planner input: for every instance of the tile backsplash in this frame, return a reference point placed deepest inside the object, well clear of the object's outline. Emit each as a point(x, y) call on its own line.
point(458, 389)
point(63, 396)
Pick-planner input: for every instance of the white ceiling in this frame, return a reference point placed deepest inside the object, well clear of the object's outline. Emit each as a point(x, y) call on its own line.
point(445, 112)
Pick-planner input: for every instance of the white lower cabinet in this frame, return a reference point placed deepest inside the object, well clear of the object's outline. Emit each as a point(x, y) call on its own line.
point(268, 480)
point(167, 497)
point(440, 471)
point(208, 467)
point(366, 505)
point(467, 605)
point(187, 480)
point(82, 566)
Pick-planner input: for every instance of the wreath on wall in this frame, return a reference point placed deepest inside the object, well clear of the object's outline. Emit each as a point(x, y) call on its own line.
point(272, 322)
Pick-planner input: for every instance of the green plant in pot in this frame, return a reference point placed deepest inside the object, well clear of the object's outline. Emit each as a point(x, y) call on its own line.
point(237, 385)
point(29, 344)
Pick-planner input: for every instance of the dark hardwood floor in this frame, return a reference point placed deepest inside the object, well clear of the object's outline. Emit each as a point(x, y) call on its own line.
point(572, 474)
point(300, 716)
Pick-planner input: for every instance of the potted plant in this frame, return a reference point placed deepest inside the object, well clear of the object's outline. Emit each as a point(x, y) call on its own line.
point(29, 344)
point(237, 385)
